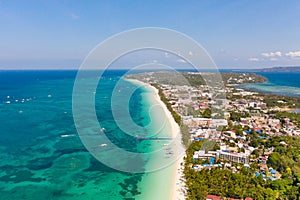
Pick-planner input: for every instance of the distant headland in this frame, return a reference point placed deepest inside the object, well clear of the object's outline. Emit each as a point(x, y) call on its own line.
point(278, 69)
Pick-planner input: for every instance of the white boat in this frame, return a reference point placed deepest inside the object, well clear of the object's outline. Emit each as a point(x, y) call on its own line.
point(7, 102)
point(66, 135)
point(103, 145)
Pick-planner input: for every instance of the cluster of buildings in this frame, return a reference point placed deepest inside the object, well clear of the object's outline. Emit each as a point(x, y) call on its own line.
point(248, 112)
point(187, 100)
point(233, 120)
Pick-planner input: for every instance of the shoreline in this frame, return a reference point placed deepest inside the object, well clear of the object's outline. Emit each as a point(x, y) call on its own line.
point(177, 183)
point(276, 94)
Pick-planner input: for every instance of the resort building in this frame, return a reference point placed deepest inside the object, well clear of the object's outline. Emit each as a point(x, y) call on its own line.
point(234, 157)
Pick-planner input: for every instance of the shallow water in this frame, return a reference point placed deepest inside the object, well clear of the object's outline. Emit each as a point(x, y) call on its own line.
point(280, 83)
point(42, 156)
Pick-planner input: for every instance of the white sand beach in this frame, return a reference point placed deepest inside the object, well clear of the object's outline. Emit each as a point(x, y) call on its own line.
point(177, 185)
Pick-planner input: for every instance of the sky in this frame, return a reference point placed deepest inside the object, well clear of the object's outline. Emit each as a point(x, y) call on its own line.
point(236, 33)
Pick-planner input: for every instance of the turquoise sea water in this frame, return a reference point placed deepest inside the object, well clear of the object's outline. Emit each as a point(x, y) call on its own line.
point(281, 83)
point(41, 154)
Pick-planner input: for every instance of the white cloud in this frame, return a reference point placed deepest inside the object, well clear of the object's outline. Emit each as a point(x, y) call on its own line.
point(190, 53)
point(276, 55)
point(293, 54)
point(167, 55)
point(181, 61)
point(253, 59)
point(272, 54)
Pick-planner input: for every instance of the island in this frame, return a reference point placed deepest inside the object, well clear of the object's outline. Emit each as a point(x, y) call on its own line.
point(249, 150)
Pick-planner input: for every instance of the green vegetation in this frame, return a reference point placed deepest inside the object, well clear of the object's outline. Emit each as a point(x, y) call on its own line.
point(176, 116)
point(236, 116)
point(294, 117)
point(206, 113)
point(194, 79)
point(197, 79)
point(230, 77)
point(286, 158)
point(185, 135)
point(227, 184)
point(222, 182)
point(284, 101)
point(227, 77)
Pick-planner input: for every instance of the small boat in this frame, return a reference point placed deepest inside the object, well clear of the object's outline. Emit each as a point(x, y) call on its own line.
point(103, 145)
point(66, 135)
point(7, 102)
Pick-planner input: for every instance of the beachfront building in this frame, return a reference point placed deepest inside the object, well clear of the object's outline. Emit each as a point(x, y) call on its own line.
point(234, 157)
